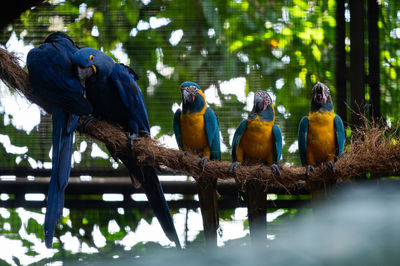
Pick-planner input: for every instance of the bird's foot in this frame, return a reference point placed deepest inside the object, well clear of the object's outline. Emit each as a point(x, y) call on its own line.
point(131, 141)
point(85, 123)
point(275, 169)
point(184, 153)
point(331, 166)
point(309, 169)
point(132, 138)
point(203, 163)
point(233, 166)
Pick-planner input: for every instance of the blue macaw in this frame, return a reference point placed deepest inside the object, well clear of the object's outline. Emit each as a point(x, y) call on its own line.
point(112, 90)
point(321, 134)
point(196, 130)
point(258, 139)
point(52, 76)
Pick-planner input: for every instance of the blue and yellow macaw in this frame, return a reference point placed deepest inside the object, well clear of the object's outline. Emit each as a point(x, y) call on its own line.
point(321, 135)
point(52, 76)
point(196, 130)
point(112, 90)
point(257, 139)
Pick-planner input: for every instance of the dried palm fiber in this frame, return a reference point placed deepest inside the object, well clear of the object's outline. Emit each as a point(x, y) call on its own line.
point(372, 149)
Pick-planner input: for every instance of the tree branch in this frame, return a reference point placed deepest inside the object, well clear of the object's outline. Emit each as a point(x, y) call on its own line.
point(374, 150)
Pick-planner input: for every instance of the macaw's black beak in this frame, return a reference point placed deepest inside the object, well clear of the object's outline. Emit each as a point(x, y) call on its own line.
point(319, 96)
point(259, 104)
point(186, 97)
point(83, 74)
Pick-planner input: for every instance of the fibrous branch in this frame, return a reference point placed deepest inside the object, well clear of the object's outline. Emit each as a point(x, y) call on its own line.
point(372, 151)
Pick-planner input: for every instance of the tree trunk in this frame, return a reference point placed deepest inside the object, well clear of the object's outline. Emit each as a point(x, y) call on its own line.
point(373, 59)
point(357, 72)
point(341, 90)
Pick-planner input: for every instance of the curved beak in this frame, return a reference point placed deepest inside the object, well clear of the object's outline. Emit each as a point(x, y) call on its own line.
point(319, 96)
point(187, 96)
point(259, 103)
point(84, 73)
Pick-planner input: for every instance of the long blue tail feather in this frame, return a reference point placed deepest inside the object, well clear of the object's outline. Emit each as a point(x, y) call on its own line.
point(147, 177)
point(63, 131)
point(156, 198)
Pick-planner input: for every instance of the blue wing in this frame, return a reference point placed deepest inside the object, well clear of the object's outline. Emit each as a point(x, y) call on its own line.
point(177, 128)
point(236, 138)
point(63, 127)
point(125, 81)
point(340, 135)
point(302, 139)
point(212, 131)
point(131, 97)
point(278, 143)
point(52, 76)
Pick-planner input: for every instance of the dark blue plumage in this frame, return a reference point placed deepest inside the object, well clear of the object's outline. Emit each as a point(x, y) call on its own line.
point(115, 96)
point(53, 79)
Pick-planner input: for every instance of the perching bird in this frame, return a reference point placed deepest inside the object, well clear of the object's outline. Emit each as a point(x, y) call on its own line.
point(112, 90)
point(52, 76)
point(258, 140)
point(196, 130)
point(321, 135)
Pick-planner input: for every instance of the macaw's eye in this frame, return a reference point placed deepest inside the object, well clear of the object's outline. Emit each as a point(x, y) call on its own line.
point(193, 89)
point(91, 57)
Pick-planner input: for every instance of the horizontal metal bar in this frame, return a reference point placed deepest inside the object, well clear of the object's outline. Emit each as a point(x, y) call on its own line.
point(141, 205)
point(24, 171)
point(101, 185)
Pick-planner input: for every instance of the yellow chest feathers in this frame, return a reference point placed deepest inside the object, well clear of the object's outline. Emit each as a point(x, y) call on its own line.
point(321, 140)
point(257, 141)
point(193, 132)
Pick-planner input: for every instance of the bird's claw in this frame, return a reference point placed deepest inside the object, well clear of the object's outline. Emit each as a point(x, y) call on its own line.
point(131, 139)
point(233, 166)
point(275, 169)
point(331, 166)
point(85, 123)
point(203, 163)
point(309, 169)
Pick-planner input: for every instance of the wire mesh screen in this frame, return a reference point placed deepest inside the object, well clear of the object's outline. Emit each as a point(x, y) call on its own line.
point(230, 48)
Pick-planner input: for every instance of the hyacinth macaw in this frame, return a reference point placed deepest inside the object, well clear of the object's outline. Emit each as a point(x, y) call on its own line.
point(52, 76)
point(196, 130)
point(112, 90)
point(321, 134)
point(257, 139)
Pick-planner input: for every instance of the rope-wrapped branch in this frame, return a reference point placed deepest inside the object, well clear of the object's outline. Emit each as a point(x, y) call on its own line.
point(372, 151)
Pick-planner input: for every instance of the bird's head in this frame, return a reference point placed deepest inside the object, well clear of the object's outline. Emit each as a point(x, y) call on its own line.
point(261, 101)
point(91, 62)
point(59, 36)
point(263, 106)
point(193, 98)
point(321, 97)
